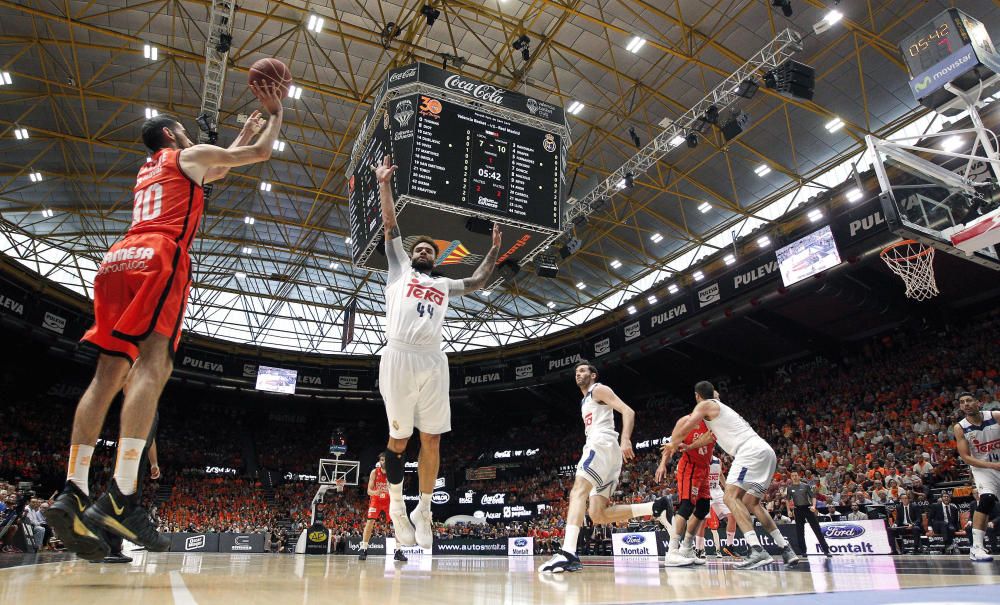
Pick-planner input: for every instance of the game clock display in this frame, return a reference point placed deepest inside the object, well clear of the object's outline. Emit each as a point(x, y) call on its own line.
point(484, 163)
point(941, 37)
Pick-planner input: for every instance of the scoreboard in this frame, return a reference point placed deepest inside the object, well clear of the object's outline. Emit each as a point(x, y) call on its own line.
point(495, 155)
point(484, 163)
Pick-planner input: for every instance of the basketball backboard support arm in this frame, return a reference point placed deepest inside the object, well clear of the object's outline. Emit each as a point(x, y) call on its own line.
point(930, 203)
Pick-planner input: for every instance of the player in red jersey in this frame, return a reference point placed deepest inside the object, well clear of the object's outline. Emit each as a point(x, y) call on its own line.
point(140, 293)
point(692, 492)
point(378, 506)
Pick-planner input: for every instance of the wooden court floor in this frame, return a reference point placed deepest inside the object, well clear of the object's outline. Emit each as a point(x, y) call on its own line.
point(210, 579)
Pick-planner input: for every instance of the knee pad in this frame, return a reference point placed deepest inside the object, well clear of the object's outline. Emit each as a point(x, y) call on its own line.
point(685, 509)
point(987, 502)
point(702, 507)
point(394, 466)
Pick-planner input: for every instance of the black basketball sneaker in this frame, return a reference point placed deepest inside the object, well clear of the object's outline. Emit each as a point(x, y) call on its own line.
point(122, 516)
point(363, 556)
point(399, 556)
point(66, 519)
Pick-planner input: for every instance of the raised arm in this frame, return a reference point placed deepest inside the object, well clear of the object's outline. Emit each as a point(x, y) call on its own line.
point(605, 395)
point(253, 125)
point(197, 161)
point(702, 440)
point(384, 174)
point(481, 276)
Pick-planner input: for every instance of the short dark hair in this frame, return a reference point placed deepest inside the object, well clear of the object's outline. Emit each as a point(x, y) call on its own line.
point(583, 362)
point(425, 239)
point(706, 389)
point(965, 394)
point(152, 131)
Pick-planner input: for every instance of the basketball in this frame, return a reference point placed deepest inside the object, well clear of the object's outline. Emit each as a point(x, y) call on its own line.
point(271, 70)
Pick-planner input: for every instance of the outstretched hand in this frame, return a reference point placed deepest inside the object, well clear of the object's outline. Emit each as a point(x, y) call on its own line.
point(270, 95)
point(253, 125)
point(496, 235)
point(384, 172)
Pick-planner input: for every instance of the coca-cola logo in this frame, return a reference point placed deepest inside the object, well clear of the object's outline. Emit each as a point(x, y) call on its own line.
point(477, 90)
point(402, 75)
point(492, 499)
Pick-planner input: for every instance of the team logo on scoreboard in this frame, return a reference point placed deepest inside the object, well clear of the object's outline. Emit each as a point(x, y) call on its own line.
point(455, 253)
point(532, 106)
point(430, 107)
point(549, 144)
point(404, 113)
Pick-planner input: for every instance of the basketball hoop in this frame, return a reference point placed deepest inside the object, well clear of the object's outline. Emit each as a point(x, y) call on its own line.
point(339, 485)
point(914, 262)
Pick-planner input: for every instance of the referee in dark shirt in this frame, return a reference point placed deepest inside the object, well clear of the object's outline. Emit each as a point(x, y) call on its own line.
point(801, 497)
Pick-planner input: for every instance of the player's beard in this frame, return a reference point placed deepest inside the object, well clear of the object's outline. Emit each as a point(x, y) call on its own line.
point(424, 266)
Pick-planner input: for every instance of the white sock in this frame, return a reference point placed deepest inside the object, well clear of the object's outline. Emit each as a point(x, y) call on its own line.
point(699, 543)
point(751, 538)
point(569, 541)
point(425, 502)
point(642, 510)
point(978, 537)
point(689, 541)
point(675, 544)
point(778, 538)
point(127, 464)
point(364, 546)
point(396, 494)
point(730, 538)
point(78, 470)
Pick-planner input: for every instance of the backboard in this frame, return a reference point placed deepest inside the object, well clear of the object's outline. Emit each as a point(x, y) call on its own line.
point(941, 190)
point(330, 470)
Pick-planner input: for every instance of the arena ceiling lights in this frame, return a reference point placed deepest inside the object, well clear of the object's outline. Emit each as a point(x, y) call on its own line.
point(579, 55)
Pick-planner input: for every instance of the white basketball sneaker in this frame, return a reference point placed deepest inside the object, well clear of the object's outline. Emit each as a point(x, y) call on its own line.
point(674, 559)
point(424, 529)
point(401, 526)
point(689, 552)
point(979, 554)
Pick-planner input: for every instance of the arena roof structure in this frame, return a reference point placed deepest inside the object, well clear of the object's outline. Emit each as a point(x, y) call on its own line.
point(272, 267)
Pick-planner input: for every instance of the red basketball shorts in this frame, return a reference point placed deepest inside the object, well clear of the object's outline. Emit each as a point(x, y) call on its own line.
point(141, 288)
point(713, 520)
point(378, 506)
point(692, 482)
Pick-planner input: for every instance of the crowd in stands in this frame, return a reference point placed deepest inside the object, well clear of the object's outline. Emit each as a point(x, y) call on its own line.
point(865, 429)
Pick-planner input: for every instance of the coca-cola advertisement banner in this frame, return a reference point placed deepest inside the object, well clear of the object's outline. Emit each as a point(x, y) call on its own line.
point(475, 89)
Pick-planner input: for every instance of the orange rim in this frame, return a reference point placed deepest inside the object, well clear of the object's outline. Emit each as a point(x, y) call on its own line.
point(906, 242)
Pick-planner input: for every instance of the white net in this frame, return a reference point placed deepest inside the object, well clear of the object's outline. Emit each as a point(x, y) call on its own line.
point(914, 262)
point(339, 485)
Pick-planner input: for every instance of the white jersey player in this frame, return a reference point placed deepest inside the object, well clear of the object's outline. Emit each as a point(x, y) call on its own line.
point(977, 439)
point(716, 487)
point(598, 470)
point(413, 371)
point(754, 463)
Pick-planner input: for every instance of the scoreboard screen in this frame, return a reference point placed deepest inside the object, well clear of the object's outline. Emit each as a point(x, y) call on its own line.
point(485, 163)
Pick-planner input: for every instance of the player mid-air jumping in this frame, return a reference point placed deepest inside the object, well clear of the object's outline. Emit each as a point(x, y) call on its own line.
point(140, 294)
point(413, 371)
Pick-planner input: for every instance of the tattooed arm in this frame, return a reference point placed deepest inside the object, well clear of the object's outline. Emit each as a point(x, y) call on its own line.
point(481, 276)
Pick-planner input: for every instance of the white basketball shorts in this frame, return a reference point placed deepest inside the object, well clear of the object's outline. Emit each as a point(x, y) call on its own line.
point(414, 385)
point(601, 464)
point(987, 480)
point(719, 506)
point(753, 467)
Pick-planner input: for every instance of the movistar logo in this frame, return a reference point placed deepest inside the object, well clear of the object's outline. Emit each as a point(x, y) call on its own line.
point(922, 85)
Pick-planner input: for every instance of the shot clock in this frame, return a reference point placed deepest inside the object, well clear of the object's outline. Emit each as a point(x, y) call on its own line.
point(950, 48)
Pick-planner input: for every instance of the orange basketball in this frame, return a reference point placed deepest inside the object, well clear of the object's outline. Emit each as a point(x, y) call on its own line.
point(271, 70)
